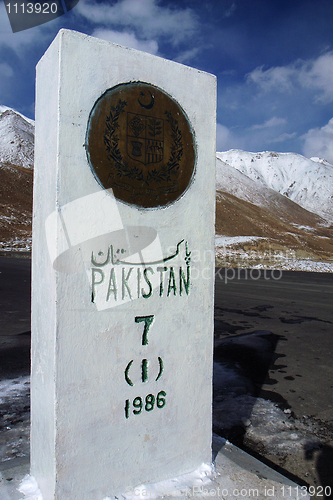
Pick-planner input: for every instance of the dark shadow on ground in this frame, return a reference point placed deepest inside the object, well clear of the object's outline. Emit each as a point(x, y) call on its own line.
point(324, 461)
point(241, 367)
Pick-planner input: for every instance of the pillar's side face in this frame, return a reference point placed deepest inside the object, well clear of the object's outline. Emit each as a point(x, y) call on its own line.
point(131, 248)
point(44, 310)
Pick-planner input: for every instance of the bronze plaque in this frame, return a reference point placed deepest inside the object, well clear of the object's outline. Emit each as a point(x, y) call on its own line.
point(140, 143)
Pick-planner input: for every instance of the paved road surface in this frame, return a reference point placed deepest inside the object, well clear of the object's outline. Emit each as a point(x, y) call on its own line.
point(298, 309)
point(15, 278)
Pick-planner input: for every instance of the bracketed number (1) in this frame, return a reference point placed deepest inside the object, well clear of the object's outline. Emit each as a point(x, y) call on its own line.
point(148, 404)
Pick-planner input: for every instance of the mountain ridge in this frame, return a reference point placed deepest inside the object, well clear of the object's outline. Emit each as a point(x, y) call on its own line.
point(307, 182)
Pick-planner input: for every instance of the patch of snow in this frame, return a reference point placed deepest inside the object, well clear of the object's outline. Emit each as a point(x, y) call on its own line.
point(14, 413)
point(320, 160)
point(232, 181)
point(29, 488)
point(17, 244)
point(266, 424)
point(6, 108)
point(16, 139)
point(299, 265)
point(174, 487)
point(13, 388)
point(223, 241)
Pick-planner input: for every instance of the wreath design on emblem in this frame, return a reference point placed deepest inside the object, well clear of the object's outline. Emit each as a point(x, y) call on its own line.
point(133, 172)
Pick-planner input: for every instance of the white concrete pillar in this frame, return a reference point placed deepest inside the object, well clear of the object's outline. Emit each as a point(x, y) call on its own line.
point(123, 269)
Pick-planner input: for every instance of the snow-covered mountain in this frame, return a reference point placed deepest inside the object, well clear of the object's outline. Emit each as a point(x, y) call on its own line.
point(16, 175)
point(258, 224)
point(307, 182)
point(16, 138)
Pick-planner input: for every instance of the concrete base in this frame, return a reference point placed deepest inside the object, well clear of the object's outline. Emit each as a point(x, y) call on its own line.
point(237, 475)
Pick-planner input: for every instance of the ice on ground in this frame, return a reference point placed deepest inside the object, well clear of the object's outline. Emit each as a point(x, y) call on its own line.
point(14, 388)
point(230, 254)
point(17, 244)
point(222, 241)
point(265, 424)
point(15, 418)
point(299, 265)
point(29, 488)
point(171, 487)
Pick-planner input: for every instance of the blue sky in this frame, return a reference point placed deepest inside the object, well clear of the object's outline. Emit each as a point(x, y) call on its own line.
point(273, 60)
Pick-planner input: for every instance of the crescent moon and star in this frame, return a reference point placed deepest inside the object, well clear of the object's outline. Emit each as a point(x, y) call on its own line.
point(150, 104)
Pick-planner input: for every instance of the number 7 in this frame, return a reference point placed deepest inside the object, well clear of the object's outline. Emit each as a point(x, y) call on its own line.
point(148, 320)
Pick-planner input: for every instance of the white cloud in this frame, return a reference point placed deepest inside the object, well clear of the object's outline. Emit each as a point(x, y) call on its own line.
point(278, 78)
point(227, 139)
point(6, 81)
point(23, 40)
point(318, 74)
point(223, 137)
point(319, 142)
point(284, 137)
point(127, 39)
point(313, 74)
point(188, 55)
point(146, 16)
point(272, 122)
point(231, 10)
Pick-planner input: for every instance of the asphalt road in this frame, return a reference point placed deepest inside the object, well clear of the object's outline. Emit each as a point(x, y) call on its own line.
point(297, 308)
point(15, 279)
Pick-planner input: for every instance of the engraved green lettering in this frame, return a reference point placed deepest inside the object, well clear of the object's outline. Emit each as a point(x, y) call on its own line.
point(112, 285)
point(147, 295)
point(137, 403)
point(150, 401)
point(144, 373)
point(148, 321)
point(127, 404)
point(172, 282)
point(94, 282)
point(182, 281)
point(125, 285)
point(139, 281)
point(161, 270)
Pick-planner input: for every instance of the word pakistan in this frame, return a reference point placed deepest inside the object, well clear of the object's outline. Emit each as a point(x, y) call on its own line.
point(119, 280)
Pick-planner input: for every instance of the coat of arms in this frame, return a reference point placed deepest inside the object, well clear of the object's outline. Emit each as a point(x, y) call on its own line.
point(145, 138)
point(140, 143)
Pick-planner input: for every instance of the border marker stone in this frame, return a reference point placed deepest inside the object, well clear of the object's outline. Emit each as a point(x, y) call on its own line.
point(122, 269)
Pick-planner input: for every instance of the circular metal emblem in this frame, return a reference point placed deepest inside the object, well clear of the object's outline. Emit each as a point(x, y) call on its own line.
point(140, 143)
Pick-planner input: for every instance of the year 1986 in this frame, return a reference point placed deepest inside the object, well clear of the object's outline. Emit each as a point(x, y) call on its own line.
point(30, 8)
point(146, 404)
